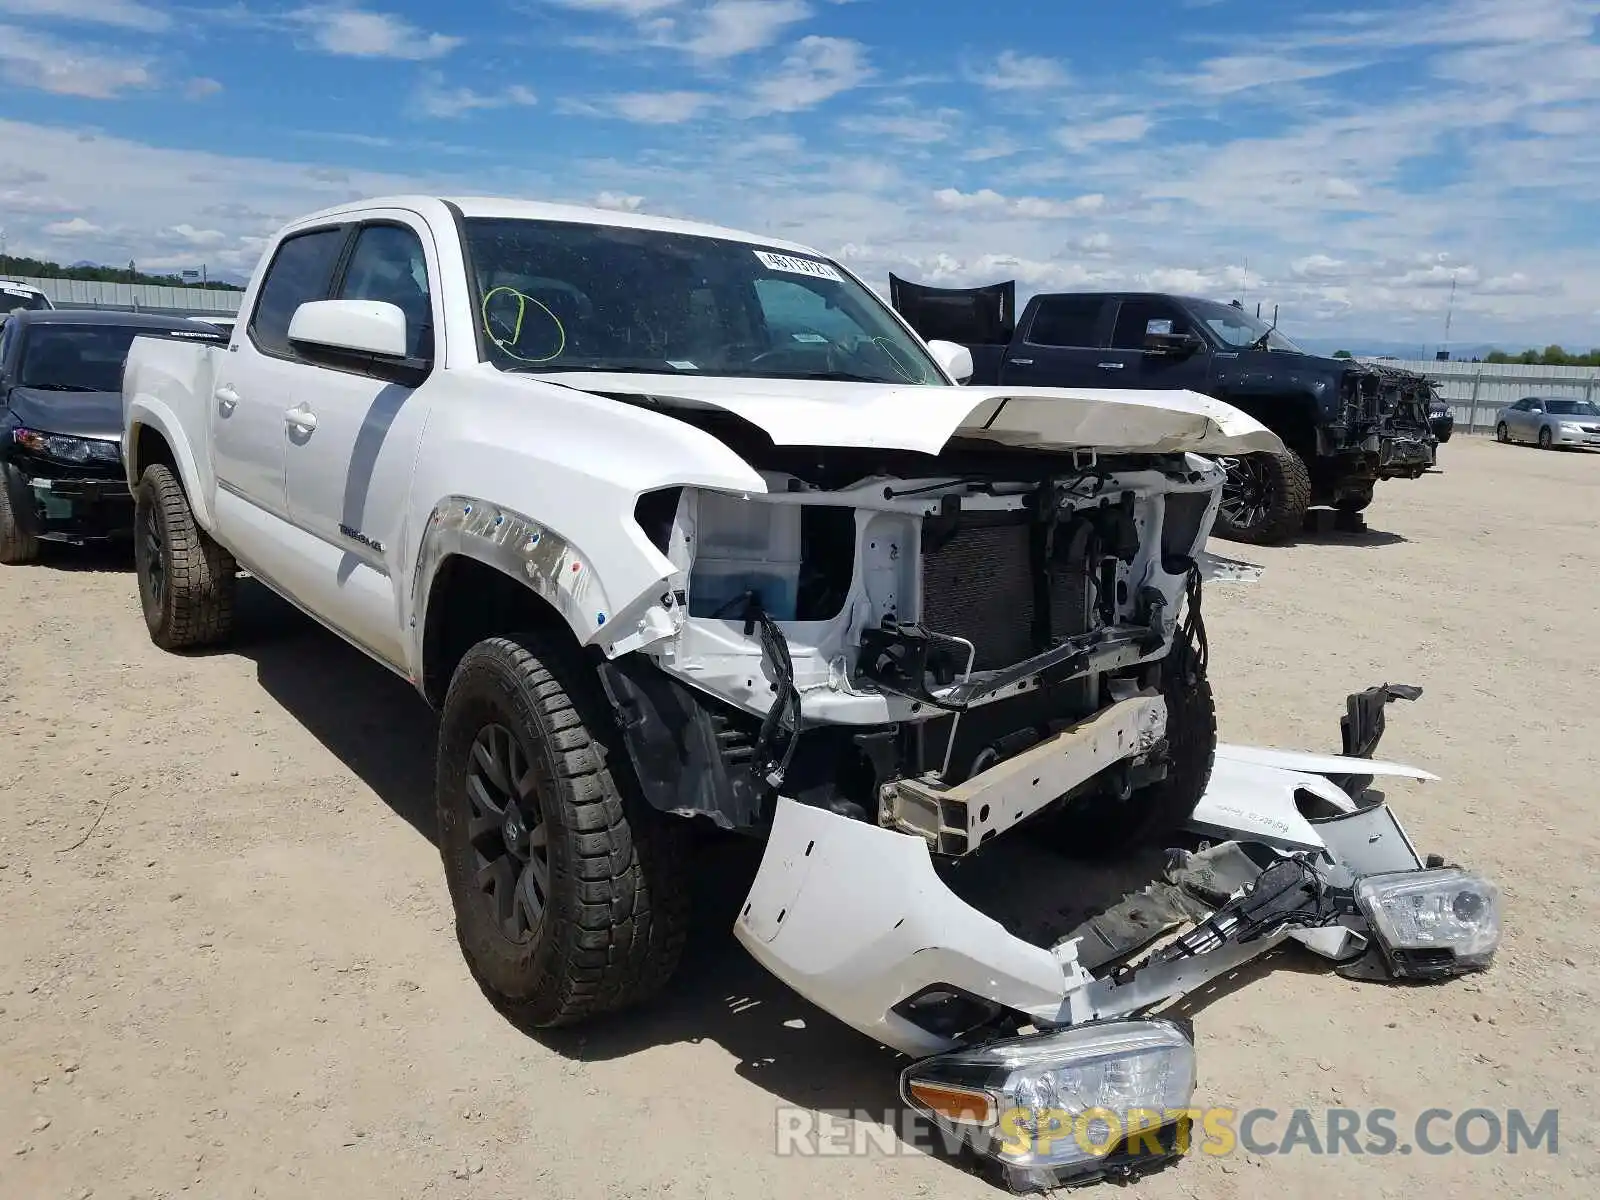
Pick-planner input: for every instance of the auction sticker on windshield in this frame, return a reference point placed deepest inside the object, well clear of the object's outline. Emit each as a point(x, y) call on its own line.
point(797, 266)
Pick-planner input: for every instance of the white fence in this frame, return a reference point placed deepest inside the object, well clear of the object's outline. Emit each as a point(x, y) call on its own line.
point(136, 297)
point(1479, 390)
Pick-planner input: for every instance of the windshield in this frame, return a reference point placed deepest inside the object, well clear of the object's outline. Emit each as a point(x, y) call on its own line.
point(86, 358)
point(13, 299)
point(1571, 408)
point(1239, 329)
point(566, 297)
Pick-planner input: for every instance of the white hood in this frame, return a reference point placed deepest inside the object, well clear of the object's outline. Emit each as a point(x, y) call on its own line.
point(804, 412)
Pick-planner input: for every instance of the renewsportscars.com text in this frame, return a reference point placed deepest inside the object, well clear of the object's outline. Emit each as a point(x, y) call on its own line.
point(1215, 1132)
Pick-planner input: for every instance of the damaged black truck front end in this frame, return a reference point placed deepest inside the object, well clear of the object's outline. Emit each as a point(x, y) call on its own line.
point(1346, 425)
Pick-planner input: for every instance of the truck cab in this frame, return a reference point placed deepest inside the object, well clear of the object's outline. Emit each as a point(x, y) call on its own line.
point(1347, 425)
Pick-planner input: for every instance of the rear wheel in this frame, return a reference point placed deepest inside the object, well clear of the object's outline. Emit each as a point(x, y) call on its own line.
point(17, 545)
point(570, 896)
point(186, 580)
point(1264, 498)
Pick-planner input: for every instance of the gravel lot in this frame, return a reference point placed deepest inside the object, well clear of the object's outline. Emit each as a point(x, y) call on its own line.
point(228, 965)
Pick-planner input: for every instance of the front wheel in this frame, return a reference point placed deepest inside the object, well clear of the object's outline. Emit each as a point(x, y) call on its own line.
point(1103, 824)
point(186, 580)
point(1264, 498)
point(17, 545)
point(1546, 442)
point(569, 892)
point(1502, 434)
point(1356, 502)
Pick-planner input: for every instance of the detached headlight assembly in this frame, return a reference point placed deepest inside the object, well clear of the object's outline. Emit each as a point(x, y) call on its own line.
point(1431, 924)
point(64, 449)
point(1103, 1099)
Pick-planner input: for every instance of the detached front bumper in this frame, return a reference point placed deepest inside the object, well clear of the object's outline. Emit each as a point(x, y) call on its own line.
point(857, 919)
point(1404, 455)
point(59, 507)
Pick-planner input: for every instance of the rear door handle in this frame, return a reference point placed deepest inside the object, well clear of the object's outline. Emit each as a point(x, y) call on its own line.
point(301, 419)
point(226, 399)
point(1112, 366)
point(1022, 362)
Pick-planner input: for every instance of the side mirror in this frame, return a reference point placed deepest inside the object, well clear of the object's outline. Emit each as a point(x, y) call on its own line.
point(353, 326)
point(1159, 338)
point(954, 358)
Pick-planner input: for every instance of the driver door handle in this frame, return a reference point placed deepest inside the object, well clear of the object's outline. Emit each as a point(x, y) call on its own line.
point(227, 398)
point(302, 420)
point(1111, 366)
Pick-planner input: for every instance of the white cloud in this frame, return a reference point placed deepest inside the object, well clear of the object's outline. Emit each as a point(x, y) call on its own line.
point(1013, 72)
point(357, 33)
point(817, 69)
point(76, 227)
point(618, 201)
point(189, 235)
point(1130, 127)
point(646, 108)
point(1028, 207)
point(1243, 72)
point(626, 8)
point(725, 28)
point(27, 200)
point(435, 99)
point(922, 128)
point(201, 88)
point(34, 60)
point(121, 14)
point(993, 146)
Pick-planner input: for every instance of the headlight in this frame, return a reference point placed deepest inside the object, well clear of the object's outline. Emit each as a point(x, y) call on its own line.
point(1093, 1099)
point(1571, 427)
point(1432, 923)
point(68, 449)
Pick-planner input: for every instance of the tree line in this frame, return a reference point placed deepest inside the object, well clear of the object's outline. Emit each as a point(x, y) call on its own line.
point(1550, 356)
point(38, 268)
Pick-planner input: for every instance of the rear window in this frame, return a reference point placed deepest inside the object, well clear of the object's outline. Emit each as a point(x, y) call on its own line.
point(302, 270)
point(1066, 321)
point(87, 358)
point(15, 298)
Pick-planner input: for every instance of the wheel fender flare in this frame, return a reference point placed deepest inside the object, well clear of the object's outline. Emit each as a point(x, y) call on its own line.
point(148, 412)
point(543, 560)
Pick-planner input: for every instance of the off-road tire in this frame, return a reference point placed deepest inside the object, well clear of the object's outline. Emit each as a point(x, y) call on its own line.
point(1546, 442)
point(1502, 434)
point(616, 909)
point(1103, 825)
point(17, 545)
point(1359, 502)
point(1288, 486)
point(187, 582)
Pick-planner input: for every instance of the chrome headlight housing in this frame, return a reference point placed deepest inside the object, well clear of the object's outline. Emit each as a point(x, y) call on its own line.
point(65, 449)
point(1106, 1098)
point(1432, 923)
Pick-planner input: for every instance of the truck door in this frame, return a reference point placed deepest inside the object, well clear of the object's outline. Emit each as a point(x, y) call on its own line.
point(255, 382)
point(1145, 370)
point(1059, 346)
point(349, 460)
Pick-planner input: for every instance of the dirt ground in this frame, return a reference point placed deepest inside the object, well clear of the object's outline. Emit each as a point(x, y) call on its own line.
point(228, 965)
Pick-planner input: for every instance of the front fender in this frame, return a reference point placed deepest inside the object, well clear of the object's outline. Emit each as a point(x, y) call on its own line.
point(147, 412)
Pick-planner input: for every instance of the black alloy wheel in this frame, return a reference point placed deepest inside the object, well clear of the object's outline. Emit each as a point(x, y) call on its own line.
point(509, 836)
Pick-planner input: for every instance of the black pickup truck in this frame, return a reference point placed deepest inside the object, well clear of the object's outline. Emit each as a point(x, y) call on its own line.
point(1346, 424)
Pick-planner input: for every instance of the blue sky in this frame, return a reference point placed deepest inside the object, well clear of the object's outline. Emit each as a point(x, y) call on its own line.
point(1359, 157)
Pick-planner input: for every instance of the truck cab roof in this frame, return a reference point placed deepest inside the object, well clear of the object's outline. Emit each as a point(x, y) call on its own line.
point(510, 208)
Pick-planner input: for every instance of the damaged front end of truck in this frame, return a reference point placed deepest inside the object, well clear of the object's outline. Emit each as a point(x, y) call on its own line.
point(1385, 430)
point(891, 658)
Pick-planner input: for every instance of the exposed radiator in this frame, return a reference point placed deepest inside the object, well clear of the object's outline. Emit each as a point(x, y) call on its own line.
point(979, 585)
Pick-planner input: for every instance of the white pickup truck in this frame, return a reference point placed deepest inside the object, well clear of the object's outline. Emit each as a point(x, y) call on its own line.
point(675, 523)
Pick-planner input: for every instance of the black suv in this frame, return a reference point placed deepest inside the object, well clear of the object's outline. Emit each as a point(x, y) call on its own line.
point(1346, 424)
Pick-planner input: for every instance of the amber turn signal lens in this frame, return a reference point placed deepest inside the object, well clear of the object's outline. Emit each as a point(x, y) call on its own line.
point(964, 1105)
